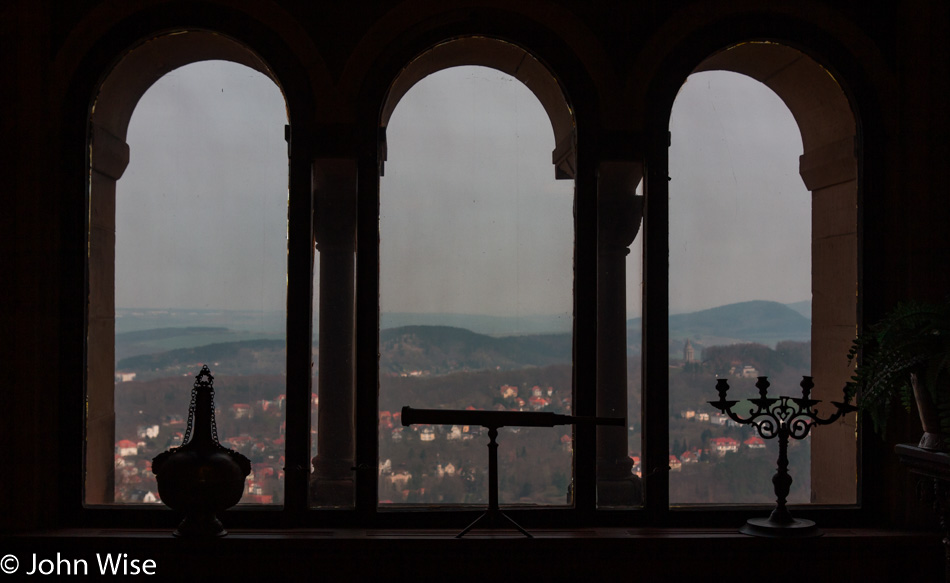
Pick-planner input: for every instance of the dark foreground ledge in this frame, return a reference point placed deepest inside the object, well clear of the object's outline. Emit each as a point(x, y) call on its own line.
point(584, 554)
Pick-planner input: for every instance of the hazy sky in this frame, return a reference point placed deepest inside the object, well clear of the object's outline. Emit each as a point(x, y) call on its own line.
point(472, 220)
point(201, 211)
point(740, 215)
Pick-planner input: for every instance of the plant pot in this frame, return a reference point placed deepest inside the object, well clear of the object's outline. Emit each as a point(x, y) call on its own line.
point(933, 438)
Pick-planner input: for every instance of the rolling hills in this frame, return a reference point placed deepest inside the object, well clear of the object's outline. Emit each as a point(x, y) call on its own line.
point(440, 349)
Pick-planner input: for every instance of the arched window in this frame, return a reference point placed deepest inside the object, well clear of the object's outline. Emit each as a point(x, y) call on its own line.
point(818, 259)
point(196, 273)
point(740, 283)
point(476, 279)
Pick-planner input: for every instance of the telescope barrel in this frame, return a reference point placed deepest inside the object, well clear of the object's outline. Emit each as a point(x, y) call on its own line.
point(412, 416)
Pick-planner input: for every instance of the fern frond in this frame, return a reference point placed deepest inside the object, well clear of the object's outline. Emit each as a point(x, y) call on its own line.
point(914, 337)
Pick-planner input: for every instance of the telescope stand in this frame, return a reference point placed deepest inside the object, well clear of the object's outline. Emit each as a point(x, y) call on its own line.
point(493, 515)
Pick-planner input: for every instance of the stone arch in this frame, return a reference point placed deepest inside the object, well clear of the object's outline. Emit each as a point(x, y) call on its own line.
point(144, 65)
point(507, 58)
point(811, 93)
point(555, 35)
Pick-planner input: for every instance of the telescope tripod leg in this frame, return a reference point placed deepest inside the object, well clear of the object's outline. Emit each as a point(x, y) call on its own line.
point(472, 525)
point(491, 517)
point(493, 513)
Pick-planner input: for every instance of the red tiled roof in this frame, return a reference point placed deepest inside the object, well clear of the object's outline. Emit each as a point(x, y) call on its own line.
point(723, 441)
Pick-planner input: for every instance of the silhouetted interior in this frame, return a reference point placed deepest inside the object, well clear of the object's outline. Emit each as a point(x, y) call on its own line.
point(866, 84)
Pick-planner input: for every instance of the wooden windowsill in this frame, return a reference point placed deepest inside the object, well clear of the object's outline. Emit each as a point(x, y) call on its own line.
point(603, 533)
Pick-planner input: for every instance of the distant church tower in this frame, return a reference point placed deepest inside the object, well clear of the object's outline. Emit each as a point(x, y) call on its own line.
point(689, 355)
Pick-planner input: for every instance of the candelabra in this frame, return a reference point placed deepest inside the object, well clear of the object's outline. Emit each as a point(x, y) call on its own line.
point(781, 417)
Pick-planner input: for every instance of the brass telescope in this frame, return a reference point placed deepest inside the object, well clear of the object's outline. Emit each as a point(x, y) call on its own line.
point(496, 419)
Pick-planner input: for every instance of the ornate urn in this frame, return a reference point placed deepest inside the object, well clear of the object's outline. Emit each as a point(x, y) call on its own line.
point(201, 477)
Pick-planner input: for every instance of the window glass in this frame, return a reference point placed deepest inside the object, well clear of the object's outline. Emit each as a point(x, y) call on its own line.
point(200, 272)
point(476, 279)
point(634, 286)
point(740, 284)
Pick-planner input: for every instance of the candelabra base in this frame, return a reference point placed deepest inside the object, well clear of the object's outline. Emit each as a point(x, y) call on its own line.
point(764, 527)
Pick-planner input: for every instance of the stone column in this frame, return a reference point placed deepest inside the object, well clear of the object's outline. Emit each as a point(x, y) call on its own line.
point(334, 186)
point(109, 158)
point(619, 215)
point(830, 172)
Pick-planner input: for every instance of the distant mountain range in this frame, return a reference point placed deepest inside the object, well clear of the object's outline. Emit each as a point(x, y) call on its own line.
point(758, 321)
point(268, 323)
point(259, 356)
point(422, 350)
point(444, 349)
point(803, 308)
point(490, 325)
point(259, 322)
point(441, 349)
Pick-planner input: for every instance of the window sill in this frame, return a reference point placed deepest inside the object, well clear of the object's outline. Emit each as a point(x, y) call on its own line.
point(580, 553)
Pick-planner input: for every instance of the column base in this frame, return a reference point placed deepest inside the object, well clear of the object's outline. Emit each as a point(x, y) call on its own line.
point(332, 483)
point(331, 493)
point(626, 491)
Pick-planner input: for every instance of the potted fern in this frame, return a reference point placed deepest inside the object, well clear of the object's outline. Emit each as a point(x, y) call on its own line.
point(904, 357)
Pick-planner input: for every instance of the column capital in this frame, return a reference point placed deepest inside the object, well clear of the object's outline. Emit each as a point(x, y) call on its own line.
point(564, 157)
point(620, 208)
point(323, 141)
point(334, 201)
point(110, 154)
point(829, 164)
